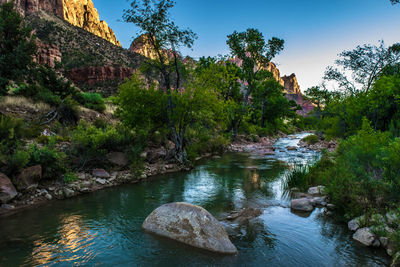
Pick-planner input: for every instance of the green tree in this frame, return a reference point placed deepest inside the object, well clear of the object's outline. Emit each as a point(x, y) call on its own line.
point(254, 53)
point(366, 63)
point(222, 77)
point(17, 46)
point(153, 18)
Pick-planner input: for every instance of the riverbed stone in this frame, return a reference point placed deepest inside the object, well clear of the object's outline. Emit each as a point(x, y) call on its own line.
point(7, 189)
point(191, 225)
point(355, 224)
point(391, 217)
point(301, 204)
point(291, 148)
point(118, 158)
point(69, 192)
point(318, 201)
point(384, 241)
point(100, 173)
point(101, 181)
point(7, 207)
point(28, 179)
point(364, 236)
point(317, 190)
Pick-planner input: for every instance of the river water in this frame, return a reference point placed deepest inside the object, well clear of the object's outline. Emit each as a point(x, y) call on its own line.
point(104, 228)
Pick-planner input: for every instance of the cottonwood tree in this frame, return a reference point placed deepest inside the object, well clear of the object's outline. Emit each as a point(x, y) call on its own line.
point(17, 46)
point(153, 19)
point(254, 54)
point(365, 64)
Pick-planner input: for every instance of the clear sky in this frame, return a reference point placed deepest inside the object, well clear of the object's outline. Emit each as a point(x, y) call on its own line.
point(315, 31)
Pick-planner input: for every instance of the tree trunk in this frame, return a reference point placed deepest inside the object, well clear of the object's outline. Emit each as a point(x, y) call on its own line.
point(262, 114)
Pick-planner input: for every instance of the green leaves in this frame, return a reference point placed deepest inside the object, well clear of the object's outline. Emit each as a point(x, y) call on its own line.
point(17, 47)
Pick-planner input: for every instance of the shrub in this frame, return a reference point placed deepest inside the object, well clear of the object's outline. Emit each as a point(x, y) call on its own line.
point(90, 143)
point(52, 161)
point(311, 139)
point(93, 101)
point(68, 111)
point(297, 178)
point(364, 173)
point(70, 177)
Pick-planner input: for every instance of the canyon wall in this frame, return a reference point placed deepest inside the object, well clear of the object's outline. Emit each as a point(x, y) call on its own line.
point(47, 54)
point(80, 13)
point(95, 75)
point(83, 14)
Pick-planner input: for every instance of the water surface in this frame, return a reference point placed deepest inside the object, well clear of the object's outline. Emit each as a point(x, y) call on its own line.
point(104, 228)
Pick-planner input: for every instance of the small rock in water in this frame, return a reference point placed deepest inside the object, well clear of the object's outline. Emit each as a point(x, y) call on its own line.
point(291, 148)
point(48, 196)
point(330, 206)
point(68, 192)
point(301, 204)
point(364, 236)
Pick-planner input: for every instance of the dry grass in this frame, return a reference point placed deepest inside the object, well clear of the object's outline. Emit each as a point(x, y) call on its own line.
point(21, 102)
point(110, 109)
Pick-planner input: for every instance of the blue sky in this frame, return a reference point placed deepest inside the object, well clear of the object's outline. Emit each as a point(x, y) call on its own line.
point(315, 31)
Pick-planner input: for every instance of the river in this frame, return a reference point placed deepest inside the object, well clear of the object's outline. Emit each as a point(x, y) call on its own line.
point(104, 228)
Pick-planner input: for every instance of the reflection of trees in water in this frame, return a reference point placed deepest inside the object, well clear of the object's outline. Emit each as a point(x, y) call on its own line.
point(347, 251)
point(254, 231)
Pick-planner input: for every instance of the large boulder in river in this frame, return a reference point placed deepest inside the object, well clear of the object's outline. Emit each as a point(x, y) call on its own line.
point(191, 225)
point(7, 189)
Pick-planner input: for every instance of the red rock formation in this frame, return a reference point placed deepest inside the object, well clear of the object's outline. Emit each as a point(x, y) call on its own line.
point(26, 7)
point(299, 99)
point(291, 85)
point(94, 75)
point(80, 13)
point(47, 54)
point(271, 67)
point(142, 46)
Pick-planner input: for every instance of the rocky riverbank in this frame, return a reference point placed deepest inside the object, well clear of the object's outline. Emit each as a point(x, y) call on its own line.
point(29, 189)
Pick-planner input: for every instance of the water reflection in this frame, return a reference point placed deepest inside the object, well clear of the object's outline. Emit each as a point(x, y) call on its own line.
point(73, 238)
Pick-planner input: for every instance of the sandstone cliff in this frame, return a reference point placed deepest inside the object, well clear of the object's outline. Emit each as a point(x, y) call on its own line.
point(80, 13)
point(291, 85)
point(83, 14)
point(142, 46)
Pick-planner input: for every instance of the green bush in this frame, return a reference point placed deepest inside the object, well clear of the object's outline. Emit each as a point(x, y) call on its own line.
point(52, 161)
point(68, 111)
point(297, 178)
point(90, 143)
point(311, 139)
point(17, 162)
point(363, 174)
point(70, 177)
point(93, 101)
